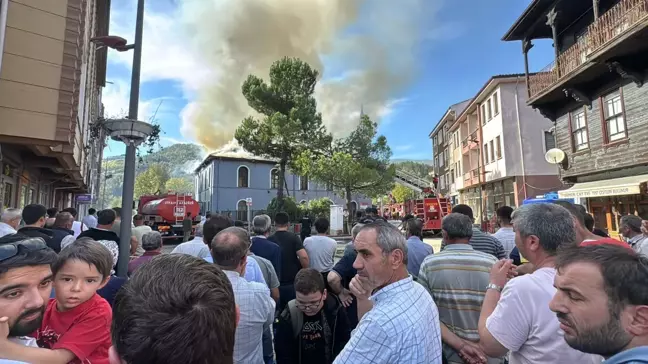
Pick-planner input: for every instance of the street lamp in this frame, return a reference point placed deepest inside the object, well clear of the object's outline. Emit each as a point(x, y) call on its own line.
point(481, 202)
point(130, 131)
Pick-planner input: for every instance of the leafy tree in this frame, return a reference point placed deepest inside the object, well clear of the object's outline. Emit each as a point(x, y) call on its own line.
point(418, 169)
point(114, 202)
point(320, 207)
point(289, 206)
point(289, 122)
point(402, 193)
point(358, 163)
point(180, 185)
point(151, 181)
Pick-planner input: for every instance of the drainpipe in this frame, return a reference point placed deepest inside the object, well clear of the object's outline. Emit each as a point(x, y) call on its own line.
point(519, 129)
point(4, 6)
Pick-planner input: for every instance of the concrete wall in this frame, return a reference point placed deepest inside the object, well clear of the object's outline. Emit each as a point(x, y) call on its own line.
point(217, 186)
point(495, 168)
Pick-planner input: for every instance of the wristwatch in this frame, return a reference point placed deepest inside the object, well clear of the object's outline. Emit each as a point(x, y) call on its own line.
point(495, 287)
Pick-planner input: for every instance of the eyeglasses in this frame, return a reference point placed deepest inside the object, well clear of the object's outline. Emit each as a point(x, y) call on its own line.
point(10, 250)
point(306, 306)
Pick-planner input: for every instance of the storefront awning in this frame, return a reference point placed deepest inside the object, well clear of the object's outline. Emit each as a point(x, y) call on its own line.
point(610, 187)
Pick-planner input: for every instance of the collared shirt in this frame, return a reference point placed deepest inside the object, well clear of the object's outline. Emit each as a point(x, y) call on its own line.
point(485, 243)
point(639, 243)
point(25, 341)
point(78, 227)
point(402, 327)
point(134, 264)
point(256, 313)
point(457, 278)
point(506, 236)
point(638, 355)
point(417, 251)
point(5, 229)
point(252, 270)
point(90, 221)
point(195, 247)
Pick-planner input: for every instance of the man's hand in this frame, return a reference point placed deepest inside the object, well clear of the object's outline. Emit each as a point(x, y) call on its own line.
point(361, 287)
point(345, 297)
point(500, 272)
point(472, 354)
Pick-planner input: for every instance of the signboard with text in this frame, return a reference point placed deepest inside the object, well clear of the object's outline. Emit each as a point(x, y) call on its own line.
point(601, 192)
point(84, 198)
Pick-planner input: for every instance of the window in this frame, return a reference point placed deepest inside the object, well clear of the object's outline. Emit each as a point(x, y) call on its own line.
point(492, 152)
point(614, 118)
point(442, 159)
point(243, 177)
point(303, 183)
point(483, 114)
point(241, 210)
point(490, 109)
point(443, 182)
point(274, 178)
point(549, 140)
point(486, 153)
point(452, 176)
point(6, 200)
point(579, 130)
point(498, 145)
point(496, 103)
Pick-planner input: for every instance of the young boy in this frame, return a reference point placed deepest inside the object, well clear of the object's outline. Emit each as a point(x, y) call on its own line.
point(76, 325)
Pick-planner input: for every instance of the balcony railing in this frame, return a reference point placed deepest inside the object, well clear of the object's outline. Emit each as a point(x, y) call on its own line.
point(607, 27)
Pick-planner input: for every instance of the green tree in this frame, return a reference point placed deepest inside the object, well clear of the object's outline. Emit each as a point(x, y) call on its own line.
point(402, 193)
point(115, 202)
point(289, 206)
point(320, 207)
point(151, 181)
point(358, 163)
point(289, 122)
point(180, 185)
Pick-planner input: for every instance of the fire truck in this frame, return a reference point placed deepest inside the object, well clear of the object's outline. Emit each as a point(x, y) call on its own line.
point(430, 207)
point(165, 212)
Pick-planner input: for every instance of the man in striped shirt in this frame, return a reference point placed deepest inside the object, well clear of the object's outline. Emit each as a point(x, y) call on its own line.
point(457, 279)
point(480, 241)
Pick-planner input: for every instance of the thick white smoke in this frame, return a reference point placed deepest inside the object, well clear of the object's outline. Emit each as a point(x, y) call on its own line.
point(369, 47)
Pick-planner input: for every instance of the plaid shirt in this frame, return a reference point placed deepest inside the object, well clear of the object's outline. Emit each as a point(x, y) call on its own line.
point(402, 327)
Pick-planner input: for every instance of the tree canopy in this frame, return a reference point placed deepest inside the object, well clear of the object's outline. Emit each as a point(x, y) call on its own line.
point(402, 193)
point(180, 185)
point(289, 121)
point(151, 181)
point(358, 163)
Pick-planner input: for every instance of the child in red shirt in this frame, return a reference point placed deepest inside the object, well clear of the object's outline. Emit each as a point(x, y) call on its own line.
point(76, 325)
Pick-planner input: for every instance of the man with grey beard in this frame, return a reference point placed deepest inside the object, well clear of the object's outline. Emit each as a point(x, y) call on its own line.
point(25, 287)
point(602, 302)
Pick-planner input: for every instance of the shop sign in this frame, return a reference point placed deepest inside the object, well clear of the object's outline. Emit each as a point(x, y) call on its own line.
point(601, 192)
point(84, 198)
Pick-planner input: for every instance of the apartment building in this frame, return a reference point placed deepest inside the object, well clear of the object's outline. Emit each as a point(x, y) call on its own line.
point(502, 144)
point(51, 77)
point(444, 145)
point(593, 91)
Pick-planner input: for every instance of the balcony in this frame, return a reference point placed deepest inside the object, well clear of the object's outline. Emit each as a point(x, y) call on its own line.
point(619, 20)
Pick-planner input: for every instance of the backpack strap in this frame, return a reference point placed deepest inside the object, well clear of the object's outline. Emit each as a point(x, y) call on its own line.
point(296, 317)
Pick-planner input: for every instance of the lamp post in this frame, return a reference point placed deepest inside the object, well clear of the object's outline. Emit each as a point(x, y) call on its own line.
point(131, 132)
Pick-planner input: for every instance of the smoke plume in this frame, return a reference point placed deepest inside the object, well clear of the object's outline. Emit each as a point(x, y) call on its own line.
point(369, 47)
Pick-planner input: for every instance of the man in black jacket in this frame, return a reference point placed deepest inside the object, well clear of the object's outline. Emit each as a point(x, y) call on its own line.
point(313, 328)
point(34, 216)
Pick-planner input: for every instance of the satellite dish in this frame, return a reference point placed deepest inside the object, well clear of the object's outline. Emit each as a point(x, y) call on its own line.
point(555, 156)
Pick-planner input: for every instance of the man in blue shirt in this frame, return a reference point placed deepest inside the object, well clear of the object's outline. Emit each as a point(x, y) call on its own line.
point(602, 302)
point(216, 224)
point(261, 246)
point(417, 250)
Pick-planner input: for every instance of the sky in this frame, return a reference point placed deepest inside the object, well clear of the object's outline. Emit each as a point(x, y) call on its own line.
point(421, 57)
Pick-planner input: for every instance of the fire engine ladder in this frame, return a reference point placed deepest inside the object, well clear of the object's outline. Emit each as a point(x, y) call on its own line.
point(181, 203)
point(419, 184)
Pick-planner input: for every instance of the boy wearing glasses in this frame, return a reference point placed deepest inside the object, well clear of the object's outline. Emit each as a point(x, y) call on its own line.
point(76, 324)
point(25, 286)
point(313, 328)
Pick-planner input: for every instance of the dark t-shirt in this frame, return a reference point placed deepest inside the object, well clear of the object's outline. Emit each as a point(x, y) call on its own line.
point(289, 243)
point(344, 267)
point(313, 344)
point(99, 234)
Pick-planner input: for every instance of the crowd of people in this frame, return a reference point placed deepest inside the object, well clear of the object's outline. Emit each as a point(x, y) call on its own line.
point(543, 289)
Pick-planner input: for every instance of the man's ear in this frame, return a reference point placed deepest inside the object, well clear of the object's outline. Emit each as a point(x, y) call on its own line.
point(639, 324)
point(113, 357)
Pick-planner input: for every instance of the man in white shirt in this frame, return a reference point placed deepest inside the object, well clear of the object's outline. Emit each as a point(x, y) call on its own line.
point(25, 286)
point(320, 248)
point(77, 226)
point(230, 250)
point(505, 233)
point(630, 228)
point(90, 220)
point(515, 315)
point(195, 247)
point(10, 221)
point(138, 231)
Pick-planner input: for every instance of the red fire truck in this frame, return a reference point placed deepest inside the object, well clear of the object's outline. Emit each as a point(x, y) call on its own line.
point(165, 212)
point(431, 210)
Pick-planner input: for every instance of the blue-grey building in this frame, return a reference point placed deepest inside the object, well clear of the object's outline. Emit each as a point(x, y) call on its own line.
point(225, 179)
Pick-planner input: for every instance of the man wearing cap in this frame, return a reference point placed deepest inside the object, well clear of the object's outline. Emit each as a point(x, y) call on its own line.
point(25, 287)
